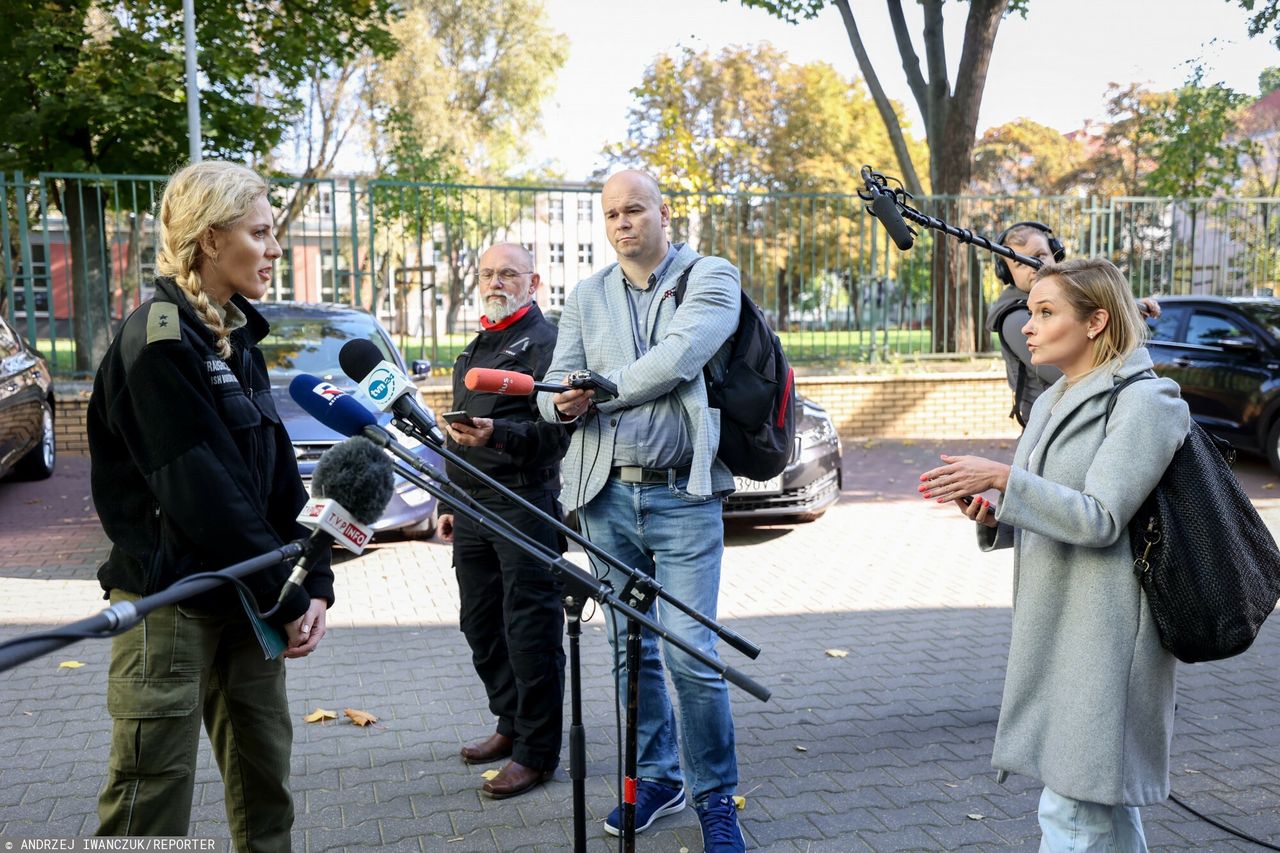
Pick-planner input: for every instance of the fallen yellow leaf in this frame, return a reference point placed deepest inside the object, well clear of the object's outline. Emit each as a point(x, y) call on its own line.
point(740, 802)
point(1268, 485)
point(319, 715)
point(837, 653)
point(70, 664)
point(489, 774)
point(360, 718)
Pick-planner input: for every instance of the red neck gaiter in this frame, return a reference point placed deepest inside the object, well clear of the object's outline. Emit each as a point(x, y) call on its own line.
point(510, 321)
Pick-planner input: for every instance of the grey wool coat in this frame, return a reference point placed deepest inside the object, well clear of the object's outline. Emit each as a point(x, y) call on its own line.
point(595, 333)
point(1089, 691)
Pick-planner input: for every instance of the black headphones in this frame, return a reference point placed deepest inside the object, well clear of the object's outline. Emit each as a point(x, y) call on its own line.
point(1056, 249)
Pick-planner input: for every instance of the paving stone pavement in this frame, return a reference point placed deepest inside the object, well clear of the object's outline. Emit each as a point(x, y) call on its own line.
point(887, 748)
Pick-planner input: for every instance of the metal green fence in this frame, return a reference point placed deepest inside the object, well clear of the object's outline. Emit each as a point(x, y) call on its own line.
point(79, 253)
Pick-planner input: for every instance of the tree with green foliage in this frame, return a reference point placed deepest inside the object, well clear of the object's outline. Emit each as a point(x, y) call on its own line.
point(1196, 152)
point(1024, 157)
point(1126, 157)
point(1264, 17)
point(950, 113)
point(98, 86)
point(1268, 81)
point(747, 119)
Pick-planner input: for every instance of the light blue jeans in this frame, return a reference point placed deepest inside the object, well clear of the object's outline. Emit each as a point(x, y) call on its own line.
point(677, 538)
point(1076, 826)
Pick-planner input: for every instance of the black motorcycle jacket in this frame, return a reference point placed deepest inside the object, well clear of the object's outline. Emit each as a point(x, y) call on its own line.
point(524, 451)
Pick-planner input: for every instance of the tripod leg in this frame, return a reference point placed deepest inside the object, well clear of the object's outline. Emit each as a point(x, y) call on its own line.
point(577, 736)
point(629, 781)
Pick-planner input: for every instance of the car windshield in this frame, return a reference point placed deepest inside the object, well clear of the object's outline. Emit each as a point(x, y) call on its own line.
point(1265, 314)
point(311, 344)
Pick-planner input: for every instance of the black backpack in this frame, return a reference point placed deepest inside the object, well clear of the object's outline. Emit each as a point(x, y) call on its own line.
point(753, 386)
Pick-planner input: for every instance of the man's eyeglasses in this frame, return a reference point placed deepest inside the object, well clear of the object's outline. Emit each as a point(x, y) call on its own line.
point(506, 276)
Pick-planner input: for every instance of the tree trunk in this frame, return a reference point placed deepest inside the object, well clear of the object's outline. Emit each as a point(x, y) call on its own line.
point(84, 206)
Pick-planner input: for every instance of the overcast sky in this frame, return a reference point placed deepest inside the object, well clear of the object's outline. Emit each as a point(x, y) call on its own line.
point(1053, 67)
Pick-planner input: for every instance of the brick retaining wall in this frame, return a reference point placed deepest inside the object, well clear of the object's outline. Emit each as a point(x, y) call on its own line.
point(930, 405)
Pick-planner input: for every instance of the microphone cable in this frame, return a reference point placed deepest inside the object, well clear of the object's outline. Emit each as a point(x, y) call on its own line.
point(1224, 826)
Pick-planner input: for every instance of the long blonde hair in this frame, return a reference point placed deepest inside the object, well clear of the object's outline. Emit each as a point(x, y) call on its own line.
point(209, 194)
point(1090, 284)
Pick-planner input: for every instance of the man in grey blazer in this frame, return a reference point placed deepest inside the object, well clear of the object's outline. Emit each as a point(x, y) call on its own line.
point(642, 473)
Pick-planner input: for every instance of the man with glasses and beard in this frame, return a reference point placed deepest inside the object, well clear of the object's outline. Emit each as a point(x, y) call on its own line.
point(511, 611)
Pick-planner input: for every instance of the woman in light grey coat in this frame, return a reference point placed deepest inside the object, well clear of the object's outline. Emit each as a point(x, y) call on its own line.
point(1089, 691)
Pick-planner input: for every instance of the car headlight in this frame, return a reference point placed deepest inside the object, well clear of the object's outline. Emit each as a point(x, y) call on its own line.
point(823, 433)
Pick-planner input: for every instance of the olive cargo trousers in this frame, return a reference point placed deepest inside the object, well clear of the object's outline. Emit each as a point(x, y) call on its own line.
point(167, 674)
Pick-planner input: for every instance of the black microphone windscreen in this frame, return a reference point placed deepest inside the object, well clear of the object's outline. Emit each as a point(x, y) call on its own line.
point(358, 356)
point(885, 209)
point(357, 475)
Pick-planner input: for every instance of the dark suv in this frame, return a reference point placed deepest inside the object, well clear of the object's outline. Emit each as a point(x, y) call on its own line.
point(28, 448)
point(1225, 354)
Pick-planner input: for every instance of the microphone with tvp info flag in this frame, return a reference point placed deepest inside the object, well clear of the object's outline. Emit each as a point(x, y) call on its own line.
point(351, 485)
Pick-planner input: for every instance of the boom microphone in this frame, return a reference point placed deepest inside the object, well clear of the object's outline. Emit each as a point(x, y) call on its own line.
point(386, 385)
point(350, 489)
point(885, 208)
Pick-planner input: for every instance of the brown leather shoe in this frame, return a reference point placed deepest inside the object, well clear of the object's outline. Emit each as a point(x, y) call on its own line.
point(494, 748)
point(514, 779)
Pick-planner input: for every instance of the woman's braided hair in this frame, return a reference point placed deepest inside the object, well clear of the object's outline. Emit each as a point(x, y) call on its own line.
point(209, 194)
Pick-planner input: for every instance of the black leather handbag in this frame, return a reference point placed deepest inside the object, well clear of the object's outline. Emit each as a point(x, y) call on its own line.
point(1208, 564)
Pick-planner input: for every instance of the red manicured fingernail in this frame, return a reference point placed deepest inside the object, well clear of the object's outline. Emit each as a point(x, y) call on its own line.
point(928, 495)
point(924, 477)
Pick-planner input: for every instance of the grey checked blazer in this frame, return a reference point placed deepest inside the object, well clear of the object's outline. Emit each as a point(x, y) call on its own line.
point(595, 333)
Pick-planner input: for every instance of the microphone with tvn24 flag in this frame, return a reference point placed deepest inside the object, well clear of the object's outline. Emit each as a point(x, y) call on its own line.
point(350, 489)
point(489, 381)
point(386, 385)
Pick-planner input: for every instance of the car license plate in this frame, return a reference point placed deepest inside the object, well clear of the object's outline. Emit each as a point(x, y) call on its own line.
point(760, 487)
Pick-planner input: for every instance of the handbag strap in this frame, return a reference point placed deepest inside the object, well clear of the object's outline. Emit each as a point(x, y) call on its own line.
point(1115, 392)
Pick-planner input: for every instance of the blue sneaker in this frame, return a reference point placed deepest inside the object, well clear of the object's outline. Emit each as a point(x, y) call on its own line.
point(720, 830)
point(653, 800)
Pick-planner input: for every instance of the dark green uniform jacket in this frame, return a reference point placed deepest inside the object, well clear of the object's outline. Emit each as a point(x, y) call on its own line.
point(192, 469)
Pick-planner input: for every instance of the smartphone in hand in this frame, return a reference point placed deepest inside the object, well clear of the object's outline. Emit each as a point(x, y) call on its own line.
point(458, 417)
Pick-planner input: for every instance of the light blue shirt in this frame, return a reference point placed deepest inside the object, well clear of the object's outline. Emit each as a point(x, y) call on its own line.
point(654, 434)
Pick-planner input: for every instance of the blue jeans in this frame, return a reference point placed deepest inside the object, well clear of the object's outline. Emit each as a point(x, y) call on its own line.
point(1076, 826)
point(677, 538)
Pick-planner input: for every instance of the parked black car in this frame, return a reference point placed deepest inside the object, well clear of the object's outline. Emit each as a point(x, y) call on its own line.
point(28, 447)
point(811, 481)
point(1225, 354)
point(306, 338)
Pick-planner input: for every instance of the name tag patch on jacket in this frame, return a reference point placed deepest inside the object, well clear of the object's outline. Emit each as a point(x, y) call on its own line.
point(219, 373)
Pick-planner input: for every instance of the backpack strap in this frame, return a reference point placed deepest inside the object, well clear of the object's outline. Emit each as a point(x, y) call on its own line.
point(683, 284)
point(1115, 392)
point(1021, 384)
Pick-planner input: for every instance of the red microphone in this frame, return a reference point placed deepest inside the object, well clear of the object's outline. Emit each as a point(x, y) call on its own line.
point(489, 381)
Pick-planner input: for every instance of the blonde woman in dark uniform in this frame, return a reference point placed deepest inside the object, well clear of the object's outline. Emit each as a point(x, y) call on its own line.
point(192, 471)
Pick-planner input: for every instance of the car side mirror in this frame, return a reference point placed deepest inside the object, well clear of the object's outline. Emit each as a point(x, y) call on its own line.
point(420, 368)
point(1240, 345)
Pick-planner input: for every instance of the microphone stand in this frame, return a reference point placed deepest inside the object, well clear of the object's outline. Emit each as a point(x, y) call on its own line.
point(122, 616)
point(878, 185)
point(579, 583)
point(407, 426)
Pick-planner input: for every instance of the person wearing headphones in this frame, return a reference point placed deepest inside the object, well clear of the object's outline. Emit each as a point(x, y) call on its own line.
point(1009, 313)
